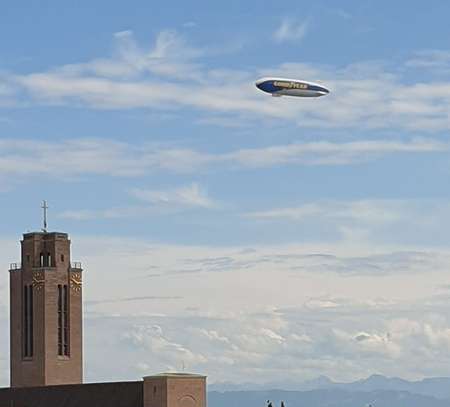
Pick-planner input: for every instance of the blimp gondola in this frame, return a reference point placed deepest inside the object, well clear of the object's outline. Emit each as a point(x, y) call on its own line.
point(291, 87)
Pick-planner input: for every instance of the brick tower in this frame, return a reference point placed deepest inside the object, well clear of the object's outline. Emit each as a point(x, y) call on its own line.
point(46, 313)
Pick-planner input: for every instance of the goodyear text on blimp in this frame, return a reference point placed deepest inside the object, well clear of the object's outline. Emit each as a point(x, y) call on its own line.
point(290, 85)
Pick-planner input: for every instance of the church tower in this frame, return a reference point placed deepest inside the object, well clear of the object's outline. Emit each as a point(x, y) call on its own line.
point(46, 313)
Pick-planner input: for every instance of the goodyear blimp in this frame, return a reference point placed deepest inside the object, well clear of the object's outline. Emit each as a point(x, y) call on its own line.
point(291, 87)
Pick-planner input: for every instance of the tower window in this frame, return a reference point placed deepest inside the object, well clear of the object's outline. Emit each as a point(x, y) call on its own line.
point(28, 313)
point(66, 321)
point(62, 258)
point(45, 260)
point(63, 321)
point(60, 321)
point(28, 258)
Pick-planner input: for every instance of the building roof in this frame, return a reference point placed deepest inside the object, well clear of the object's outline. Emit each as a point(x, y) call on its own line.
point(175, 375)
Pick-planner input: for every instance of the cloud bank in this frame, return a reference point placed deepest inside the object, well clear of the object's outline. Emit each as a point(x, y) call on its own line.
point(170, 75)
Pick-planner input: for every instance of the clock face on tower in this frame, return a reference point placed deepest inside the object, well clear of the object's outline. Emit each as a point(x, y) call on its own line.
point(38, 280)
point(75, 282)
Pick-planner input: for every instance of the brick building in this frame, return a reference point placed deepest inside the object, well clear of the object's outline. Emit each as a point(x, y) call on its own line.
point(46, 356)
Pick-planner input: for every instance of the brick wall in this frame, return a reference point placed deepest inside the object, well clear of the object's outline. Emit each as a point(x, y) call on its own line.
point(122, 394)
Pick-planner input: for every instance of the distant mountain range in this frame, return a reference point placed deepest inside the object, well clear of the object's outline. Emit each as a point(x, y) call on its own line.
point(323, 398)
point(323, 392)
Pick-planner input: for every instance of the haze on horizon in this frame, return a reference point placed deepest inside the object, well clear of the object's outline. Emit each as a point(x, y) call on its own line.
point(237, 234)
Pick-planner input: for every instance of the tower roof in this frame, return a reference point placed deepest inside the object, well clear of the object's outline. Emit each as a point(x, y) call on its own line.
point(30, 235)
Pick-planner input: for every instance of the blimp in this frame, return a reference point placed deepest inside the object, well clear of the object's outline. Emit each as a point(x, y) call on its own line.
point(291, 87)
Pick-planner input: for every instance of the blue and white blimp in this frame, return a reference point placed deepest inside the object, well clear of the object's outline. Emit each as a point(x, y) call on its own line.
point(291, 87)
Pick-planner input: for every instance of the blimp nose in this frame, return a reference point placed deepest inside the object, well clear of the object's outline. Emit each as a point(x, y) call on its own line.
point(258, 83)
point(265, 84)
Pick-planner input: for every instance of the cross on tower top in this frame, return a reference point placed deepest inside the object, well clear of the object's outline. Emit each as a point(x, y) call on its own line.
point(45, 207)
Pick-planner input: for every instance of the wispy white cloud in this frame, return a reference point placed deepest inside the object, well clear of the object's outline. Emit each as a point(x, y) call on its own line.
point(437, 61)
point(343, 14)
point(192, 195)
point(131, 299)
point(8, 91)
point(78, 157)
point(153, 339)
point(109, 213)
point(170, 56)
point(367, 211)
point(291, 30)
point(92, 156)
point(413, 220)
point(330, 153)
point(183, 198)
point(190, 24)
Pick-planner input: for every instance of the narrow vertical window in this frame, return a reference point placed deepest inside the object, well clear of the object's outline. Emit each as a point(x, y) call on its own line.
point(28, 321)
point(41, 260)
point(63, 321)
point(30, 288)
point(66, 320)
point(49, 260)
point(60, 321)
point(25, 321)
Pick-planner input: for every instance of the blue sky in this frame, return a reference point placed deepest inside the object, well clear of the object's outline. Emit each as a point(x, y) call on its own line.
point(141, 126)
